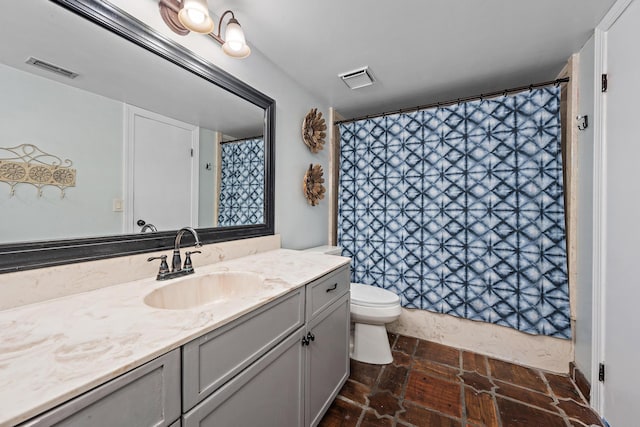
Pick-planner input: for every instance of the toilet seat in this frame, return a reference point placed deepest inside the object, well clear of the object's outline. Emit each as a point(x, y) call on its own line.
point(372, 296)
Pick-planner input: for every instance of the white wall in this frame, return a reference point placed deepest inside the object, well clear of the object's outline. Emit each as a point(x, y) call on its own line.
point(299, 224)
point(584, 287)
point(71, 124)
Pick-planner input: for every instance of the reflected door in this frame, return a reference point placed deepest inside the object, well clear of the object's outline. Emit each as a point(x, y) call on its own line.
point(162, 185)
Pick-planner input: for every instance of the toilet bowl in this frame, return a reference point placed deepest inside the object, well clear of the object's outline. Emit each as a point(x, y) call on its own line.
point(371, 309)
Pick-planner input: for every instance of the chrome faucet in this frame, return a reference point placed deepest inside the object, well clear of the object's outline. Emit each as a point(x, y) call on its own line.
point(176, 268)
point(176, 263)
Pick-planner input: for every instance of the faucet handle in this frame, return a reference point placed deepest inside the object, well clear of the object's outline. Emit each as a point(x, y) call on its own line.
point(164, 267)
point(188, 266)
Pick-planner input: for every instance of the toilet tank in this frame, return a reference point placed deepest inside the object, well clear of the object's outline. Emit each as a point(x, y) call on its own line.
point(326, 249)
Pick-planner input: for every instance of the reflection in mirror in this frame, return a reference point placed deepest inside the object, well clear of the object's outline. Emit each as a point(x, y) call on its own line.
point(147, 139)
point(241, 182)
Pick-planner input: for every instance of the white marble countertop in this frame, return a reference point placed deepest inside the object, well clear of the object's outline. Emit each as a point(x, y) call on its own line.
point(55, 350)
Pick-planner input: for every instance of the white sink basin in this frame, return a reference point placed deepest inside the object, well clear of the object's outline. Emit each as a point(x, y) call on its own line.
point(200, 290)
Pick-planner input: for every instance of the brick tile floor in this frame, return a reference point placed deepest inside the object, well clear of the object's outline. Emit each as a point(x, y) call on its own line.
point(433, 385)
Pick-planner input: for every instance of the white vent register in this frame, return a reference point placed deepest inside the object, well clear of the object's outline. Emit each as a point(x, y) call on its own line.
point(51, 67)
point(357, 79)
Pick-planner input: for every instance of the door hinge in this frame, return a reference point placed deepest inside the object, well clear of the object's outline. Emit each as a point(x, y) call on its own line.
point(605, 82)
point(601, 372)
point(192, 152)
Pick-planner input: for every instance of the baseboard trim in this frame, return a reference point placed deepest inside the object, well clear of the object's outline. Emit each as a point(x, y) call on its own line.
point(500, 342)
point(581, 381)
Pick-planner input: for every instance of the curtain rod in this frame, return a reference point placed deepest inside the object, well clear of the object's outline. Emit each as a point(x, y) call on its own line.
point(458, 100)
point(241, 139)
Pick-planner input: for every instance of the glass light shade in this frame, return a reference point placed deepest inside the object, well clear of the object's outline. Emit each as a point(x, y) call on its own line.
point(235, 44)
point(194, 15)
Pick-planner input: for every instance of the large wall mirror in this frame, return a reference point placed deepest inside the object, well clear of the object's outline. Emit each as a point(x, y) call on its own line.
point(112, 137)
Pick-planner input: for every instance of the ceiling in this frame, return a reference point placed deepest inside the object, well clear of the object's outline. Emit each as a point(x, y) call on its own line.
point(418, 51)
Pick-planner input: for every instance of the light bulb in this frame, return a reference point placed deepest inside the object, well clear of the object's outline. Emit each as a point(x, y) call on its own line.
point(235, 44)
point(194, 15)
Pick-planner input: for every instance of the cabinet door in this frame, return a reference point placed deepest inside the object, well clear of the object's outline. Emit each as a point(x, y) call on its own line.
point(215, 358)
point(147, 396)
point(268, 393)
point(327, 359)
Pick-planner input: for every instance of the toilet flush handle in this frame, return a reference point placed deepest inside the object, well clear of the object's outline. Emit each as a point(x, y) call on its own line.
point(333, 288)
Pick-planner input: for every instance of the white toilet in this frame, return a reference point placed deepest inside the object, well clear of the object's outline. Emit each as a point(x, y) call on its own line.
point(371, 309)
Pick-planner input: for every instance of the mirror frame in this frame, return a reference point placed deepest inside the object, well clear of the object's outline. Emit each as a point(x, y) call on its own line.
point(28, 255)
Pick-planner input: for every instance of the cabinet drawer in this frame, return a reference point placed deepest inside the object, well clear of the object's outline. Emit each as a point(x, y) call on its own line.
point(268, 393)
point(213, 359)
point(147, 396)
point(324, 291)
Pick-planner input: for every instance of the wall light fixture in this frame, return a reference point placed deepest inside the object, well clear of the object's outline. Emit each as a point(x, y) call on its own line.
point(193, 15)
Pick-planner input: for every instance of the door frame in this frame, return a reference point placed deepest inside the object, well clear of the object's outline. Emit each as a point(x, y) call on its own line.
point(130, 114)
point(598, 321)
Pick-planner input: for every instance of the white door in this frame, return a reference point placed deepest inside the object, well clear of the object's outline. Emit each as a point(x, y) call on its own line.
point(162, 180)
point(622, 222)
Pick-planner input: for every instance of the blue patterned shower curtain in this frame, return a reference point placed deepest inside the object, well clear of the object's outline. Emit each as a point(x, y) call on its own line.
point(241, 200)
point(460, 209)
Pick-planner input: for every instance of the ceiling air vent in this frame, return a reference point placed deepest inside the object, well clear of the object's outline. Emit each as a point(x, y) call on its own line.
point(357, 78)
point(51, 68)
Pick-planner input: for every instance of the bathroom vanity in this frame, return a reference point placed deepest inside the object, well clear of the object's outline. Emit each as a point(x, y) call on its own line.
point(277, 355)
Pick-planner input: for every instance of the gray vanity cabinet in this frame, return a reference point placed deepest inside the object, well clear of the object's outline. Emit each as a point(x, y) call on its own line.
point(213, 359)
point(291, 385)
point(268, 393)
point(144, 397)
point(279, 365)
